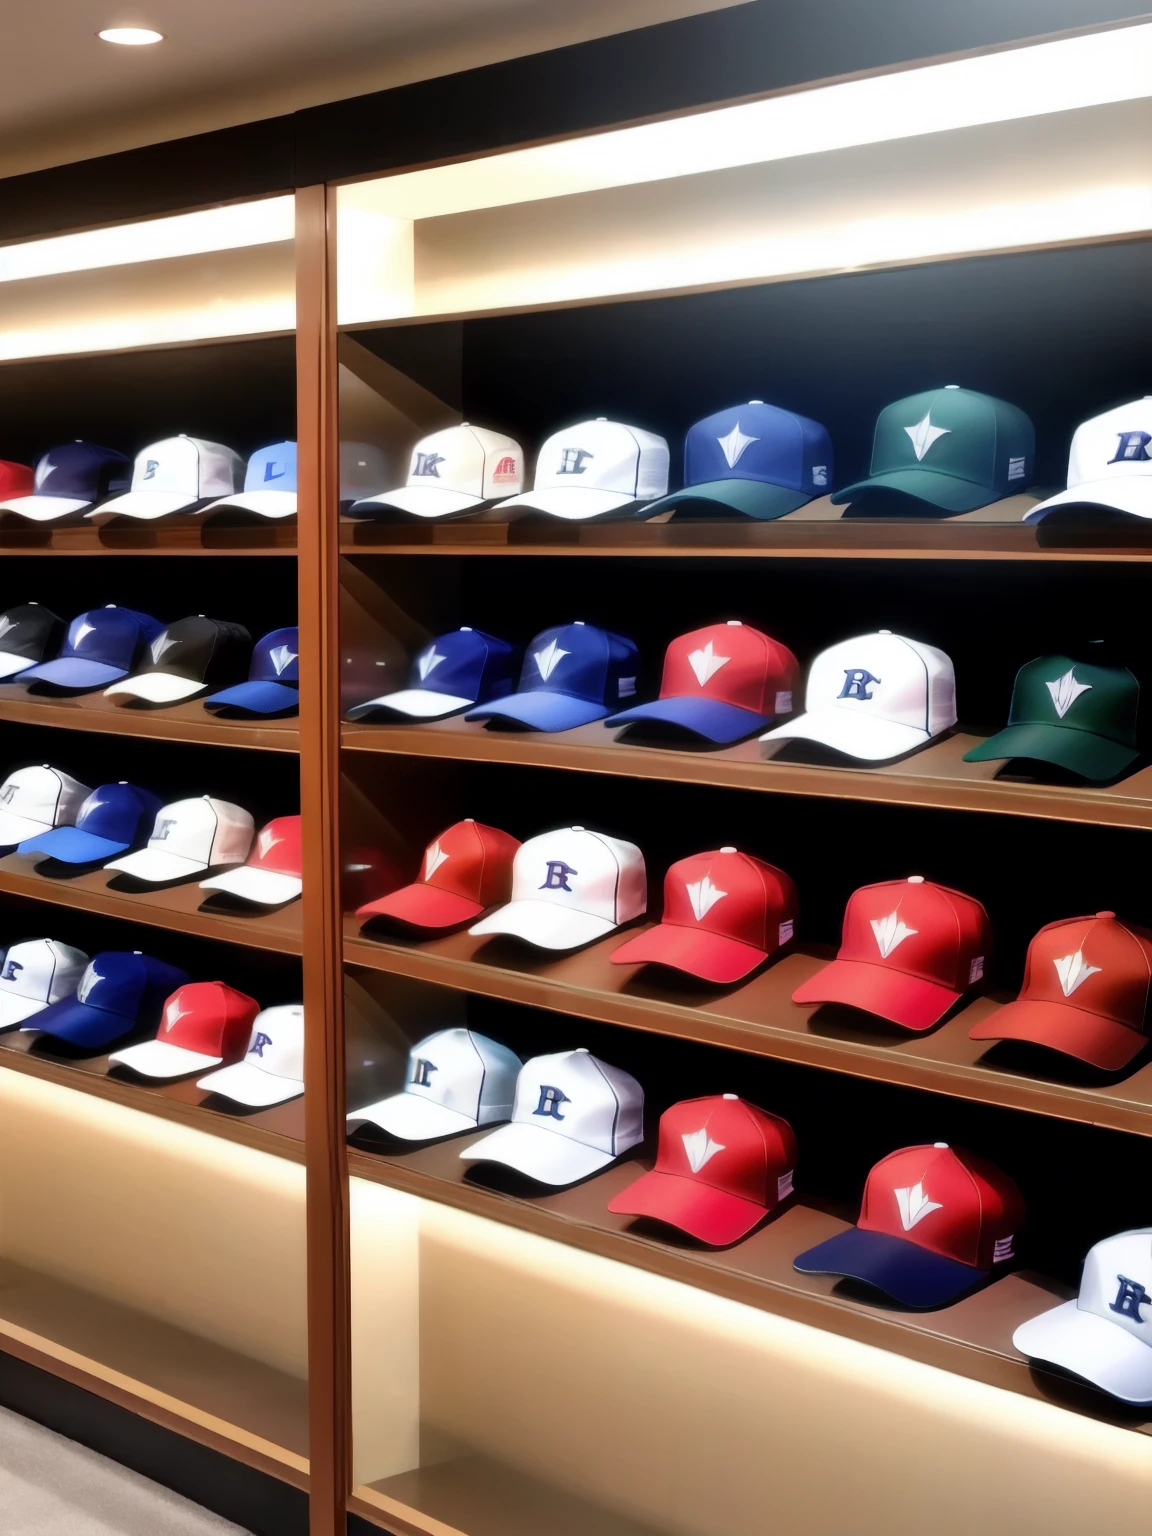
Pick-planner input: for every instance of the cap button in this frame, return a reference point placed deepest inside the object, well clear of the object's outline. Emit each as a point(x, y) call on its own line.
point(884, 631)
point(581, 1050)
point(735, 623)
point(727, 850)
point(465, 629)
point(951, 386)
point(751, 402)
point(915, 879)
point(1106, 916)
point(601, 418)
point(577, 829)
point(941, 1146)
point(736, 1095)
point(469, 819)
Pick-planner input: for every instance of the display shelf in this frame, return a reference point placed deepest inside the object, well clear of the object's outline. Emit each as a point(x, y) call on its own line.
point(166, 537)
point(176, 722)
point(760, 1017)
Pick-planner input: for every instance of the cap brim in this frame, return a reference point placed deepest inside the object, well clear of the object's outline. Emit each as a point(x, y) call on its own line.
point(1090, 1347)
point(422, 906)
point(79, 1024)
point(11, 665)
point(711, 719)
point(412, 1118)
point(541, 710)
point(866, 737)
point(910, 1001)
point(263, 503)
point(412, 703)
point(577, 504)
point(19, 829)
point(418, 501)
point(710, 1215)
point(157, 1058)
point(145, 505)
point(156, 866)
point(264, 887)
point(710, 956)
point(72, 845)
point(157, 687)
point(251, 1086)
point(265, 698)
point(74, 672)
point(14, 1009)
point(545, 924)
point(43, 509)
point(903, 1270)
point(1131, 495)
point(751, 498)
point(1093, 757)
point(924, 485)
point(1088, 1037)
point(543, 1155)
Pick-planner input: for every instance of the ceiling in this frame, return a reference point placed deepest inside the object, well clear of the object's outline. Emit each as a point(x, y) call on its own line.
point(231, 61)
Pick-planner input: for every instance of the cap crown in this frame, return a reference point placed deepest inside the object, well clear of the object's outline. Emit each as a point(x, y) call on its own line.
point(272, 468)
point(465, 664)
point(363, 471)
point(42, 969)
point(1095, 964)
point(1116, 445)
point(131, 986)
point(82, 472)
point(887, 676)
point(1053, 690)
point(734, 664)
point(277, 1042)
point(582, 662)
point(27, 630)
point(729, 1144)
point(208, 1017)
point(759, 442)
point(188, 466)
point(466, 1072)
point(204, 830)
point(734, 895)
point(1116, 1283)
point(585, 871)
point(470, 460)
point(276, 657)
point(120, 812)
point(920, 929)
point(472, 861)
point(605, 456)
point(947, 1200)
point(15, 480)
point(45, 795)
point(960, 433)
point(111, 635)
point(199, 649)
point(575, 1094)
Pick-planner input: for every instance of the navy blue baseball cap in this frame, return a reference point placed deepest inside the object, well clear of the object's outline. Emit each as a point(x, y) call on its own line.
point(119, 992)
point(754, 459)
point(572, 674)
point(273, 686)
point(113, 819)
point(69, 479)
point(100, 646)
point(451, 674)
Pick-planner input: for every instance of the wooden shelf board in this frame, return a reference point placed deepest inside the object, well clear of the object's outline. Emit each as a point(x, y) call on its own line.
point(178, 722)
point(167, 536)
point(760, 1017)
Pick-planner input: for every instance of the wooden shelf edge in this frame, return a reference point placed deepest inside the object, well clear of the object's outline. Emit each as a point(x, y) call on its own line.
point(168, 537)
point(152, 725)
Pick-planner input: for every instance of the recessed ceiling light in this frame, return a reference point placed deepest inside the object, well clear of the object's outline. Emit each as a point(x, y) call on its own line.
point(130, 37)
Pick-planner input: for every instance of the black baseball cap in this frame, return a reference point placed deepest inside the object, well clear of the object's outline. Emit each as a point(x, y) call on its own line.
point(187, 659)
point(28, 633)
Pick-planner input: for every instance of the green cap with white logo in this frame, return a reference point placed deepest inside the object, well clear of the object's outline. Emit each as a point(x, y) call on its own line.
point(1076, 716)
point(947, 450)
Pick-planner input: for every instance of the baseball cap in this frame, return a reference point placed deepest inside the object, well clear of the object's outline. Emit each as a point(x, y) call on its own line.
point(69, 479)
point(190, 656)
point(113, 818)
point(1080, 717)
point(721, 682)
point(101, 645)
point(875, 697)
point(34, 974)
point(273, 686)
point(453, 672)
point(595, 468)
point(1102, 1336)
point(465, 870)
point(453, 471)
point(34, 799)
point(1110, 465)
point(573, 1115)
point(569, 887)
point(272, 1070)
point(269, 484)
point(271, 875)
point(189, 837)
point(173, 474)
point(1085, 992)
point(950, 449)
point(755, 459)
point(15, 480)
point(117, 993)
point(203, 1024)
point(724, 914)
point(456, 1080)
point(27, 633)
point(935, 1222)
point(909, 951)
point(721, 1166)
point(363, 471)
point(572, 674)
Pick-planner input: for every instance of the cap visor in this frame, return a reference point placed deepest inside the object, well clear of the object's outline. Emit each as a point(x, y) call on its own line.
point(1091, 1348)
point(412, 1118)
point(412, 703)
point(264, 887)
point(156, 866)
point(422, 906)
point(1072, 1031)
point(79, 1024)
point(43, 509)
point(72, 845)
point(418, 501)
point(751, 498)
point(14, 1009)
point(264, 503)
point(576, 503)
point(541, 1154)
point(908, 1273)
point(156, 1058)
point(710, 718)
point(256, 698)
point(541, 711)
point(925, 485)
point(710, 1215)
point(865, 737)
point(1093, 757)
point(11, 665)
point(19, 829)
point(74, 672)
point(157, 687)
point(910, 1001)
point(144, 504)
point(1130, 494)
point(545, 924)
point(251, 1086)
point(710, 956)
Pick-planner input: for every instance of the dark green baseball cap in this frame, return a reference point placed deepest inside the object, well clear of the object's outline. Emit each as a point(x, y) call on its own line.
point(950, 450)
point(1065, 712)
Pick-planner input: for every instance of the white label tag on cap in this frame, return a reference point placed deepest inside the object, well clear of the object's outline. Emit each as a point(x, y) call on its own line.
point(784, 702)
point(784, 1184)
point(976, 970)
point(819, 474)
point(626, 687)
point(1002, 1249)
point(1015, 469)
point(786, 931)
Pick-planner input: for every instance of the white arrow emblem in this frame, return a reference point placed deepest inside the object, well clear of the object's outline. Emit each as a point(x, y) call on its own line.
point(79, 631)
point(173, 1015)
point(89, 979)
point(433, 859)
point(924, 434)
point(914, 1206)
point(700, 1147)
point(161, 644)
point(280, 656)
point(266, 842)
point(703, 895)
point(890, 932)
point(43, 470)
point(430, 660)
point(1065, 691)
point(734, 444)
point(706, 663)
point(1074, 971)
point(6, 624)
point(549, 659)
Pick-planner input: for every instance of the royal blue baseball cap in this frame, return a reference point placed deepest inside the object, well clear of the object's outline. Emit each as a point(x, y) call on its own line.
point(119, 992)
point(454, 672)
point(754, 459)
point(269, 484)
point(101, 645)
point(69, 479)
point(113, 819)
point(572, 674)
point(273, 686)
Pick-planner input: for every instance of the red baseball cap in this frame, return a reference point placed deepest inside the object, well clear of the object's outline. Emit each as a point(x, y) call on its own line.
point(724, 914)
point(203, 1024)
point(722, 682)
point(909, 951)
point(1085, 993)
point(934, 1222)
point(272, 874)
point(721, 1166)
point(15, 480)
point(466, 870)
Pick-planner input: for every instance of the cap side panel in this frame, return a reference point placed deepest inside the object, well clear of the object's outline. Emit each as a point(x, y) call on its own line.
point(615, 884)
point(639, 455)
point(765, 943)
point(615, 1101)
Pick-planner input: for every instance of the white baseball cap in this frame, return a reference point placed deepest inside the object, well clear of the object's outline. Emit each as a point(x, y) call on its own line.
point(875, 697)
point(1105, 1335)
point(453, 471)
point(1110, 464)
point(273, 1069)
point(175, 473)
point(269, 484)
point(573, 1115)
point(569, 887)
point(190, 836)
point(34, 799)
point(34, 974)
point(456, 1080)
point(596, 467)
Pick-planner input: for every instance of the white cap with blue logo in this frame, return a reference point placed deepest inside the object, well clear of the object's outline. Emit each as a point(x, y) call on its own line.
point(269, 484)
point(35, 974)
point(453, 471)
point(596, 468)
point(1110, 465)
point(273, 1070)
point(174, 474)
point(456, 1080)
